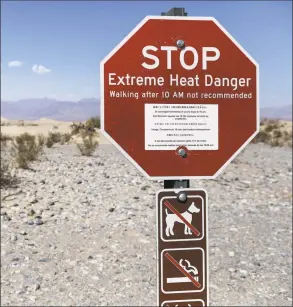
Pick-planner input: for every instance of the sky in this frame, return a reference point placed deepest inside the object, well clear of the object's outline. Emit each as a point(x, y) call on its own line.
point(53, 49)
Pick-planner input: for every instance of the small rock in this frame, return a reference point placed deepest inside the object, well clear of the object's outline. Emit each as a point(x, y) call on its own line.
point(5, 218)
point(45, 260)
point(22, 232)
point(13, 238)
point(30, 222)
point(38, 221)
point(51, 203)
point(37, 287)
point(111, 209)
point(243, 273)
point(231, 254)
point(34, 201)
point(31, 212)
point(246, 182)
point(145, 187)
point(234, 229)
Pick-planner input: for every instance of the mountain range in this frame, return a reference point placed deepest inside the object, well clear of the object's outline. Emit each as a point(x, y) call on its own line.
point(34, 109)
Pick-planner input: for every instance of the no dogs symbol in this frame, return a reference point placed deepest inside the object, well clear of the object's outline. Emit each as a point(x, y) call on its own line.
point(182, 221)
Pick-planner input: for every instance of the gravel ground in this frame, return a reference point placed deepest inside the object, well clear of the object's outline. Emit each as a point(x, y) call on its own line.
point(81, 231)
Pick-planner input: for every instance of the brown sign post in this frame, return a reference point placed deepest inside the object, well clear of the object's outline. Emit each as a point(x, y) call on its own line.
point(182, 251)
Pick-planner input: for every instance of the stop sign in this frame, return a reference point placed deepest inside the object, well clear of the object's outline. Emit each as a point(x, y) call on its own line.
point(179, 97)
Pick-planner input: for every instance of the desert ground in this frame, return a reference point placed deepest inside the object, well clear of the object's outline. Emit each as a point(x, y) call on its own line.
point(42, 126)
point(81, 231)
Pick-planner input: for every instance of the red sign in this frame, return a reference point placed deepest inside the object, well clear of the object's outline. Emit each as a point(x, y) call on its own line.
point(182, 248)
point(179, 97)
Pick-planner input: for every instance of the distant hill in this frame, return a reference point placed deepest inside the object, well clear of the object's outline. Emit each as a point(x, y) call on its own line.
point(33, 109)
point(282, 112)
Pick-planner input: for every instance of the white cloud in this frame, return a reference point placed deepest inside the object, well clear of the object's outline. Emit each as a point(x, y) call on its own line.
point(14, 64)
point(40, 69)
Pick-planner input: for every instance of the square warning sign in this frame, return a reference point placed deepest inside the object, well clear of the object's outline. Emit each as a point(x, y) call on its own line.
point(182, 221)
point(183, 270)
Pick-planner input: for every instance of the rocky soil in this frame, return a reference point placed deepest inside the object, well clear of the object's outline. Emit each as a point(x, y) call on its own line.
point(81, 231)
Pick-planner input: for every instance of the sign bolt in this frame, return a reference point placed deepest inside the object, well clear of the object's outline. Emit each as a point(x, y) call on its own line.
point(182, 197)
point(180, 43)
point(182, 153)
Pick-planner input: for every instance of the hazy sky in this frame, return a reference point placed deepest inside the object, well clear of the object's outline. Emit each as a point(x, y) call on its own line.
point(53, 49)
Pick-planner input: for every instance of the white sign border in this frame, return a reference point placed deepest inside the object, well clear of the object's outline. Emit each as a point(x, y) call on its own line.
point(111, 140)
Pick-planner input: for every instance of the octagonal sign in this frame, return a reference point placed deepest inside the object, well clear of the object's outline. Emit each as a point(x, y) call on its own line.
point(179, 97)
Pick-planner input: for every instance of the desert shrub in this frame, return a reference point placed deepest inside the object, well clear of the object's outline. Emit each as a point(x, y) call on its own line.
point(93, 122)
point(6, 179)
point(275, 142)
point(55, 127)
point(88, 145)
point(55, 137)
point(5, 137)
point(262, 122)
point(76, 128)
point(277, 133)
point(65, 138)
point(271, 124)
point(32, 124)
point(41, 140)
point(20, 123)
point(25, 149)
point(49, 142)
point(90, 125)
point(262, 137)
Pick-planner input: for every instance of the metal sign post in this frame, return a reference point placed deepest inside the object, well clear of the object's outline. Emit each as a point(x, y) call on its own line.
point(176, 184)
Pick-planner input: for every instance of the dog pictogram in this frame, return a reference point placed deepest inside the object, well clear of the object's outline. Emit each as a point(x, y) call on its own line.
point(171, 219)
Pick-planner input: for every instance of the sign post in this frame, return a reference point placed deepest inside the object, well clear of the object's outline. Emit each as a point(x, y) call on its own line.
point(180, 99)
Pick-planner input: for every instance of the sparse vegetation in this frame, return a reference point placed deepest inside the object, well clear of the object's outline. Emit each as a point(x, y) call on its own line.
point(5, 137)
point(55, 137)
point(90, 125)
point(49, 142)
point(41, 139)
point(93, 122)
point(76, 128)
point(88, 145)
point(20, 123)
point(31, 124)
point(6, 179)
point(25, 149)
point(55, 127)
point(5, 123)
point(274, 133)
point(65, 138)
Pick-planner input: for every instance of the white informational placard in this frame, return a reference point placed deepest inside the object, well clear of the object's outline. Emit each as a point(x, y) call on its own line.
point(168, 126)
